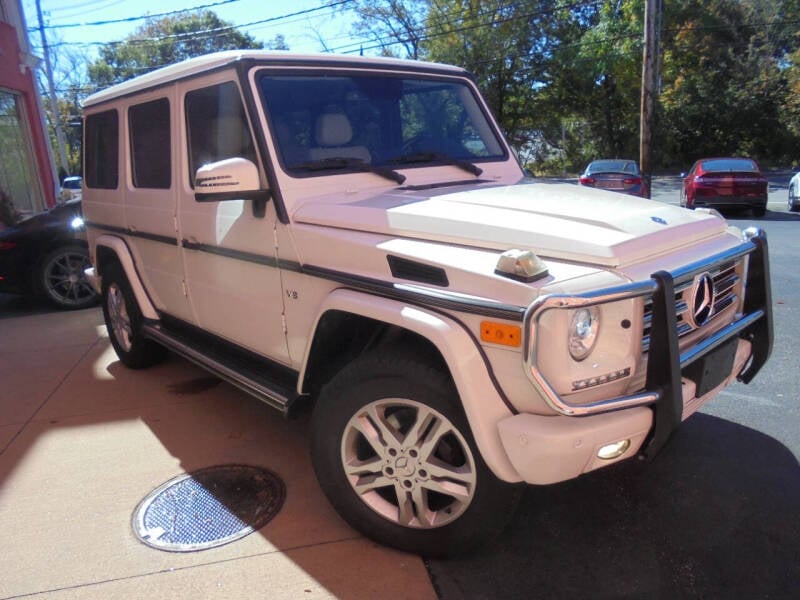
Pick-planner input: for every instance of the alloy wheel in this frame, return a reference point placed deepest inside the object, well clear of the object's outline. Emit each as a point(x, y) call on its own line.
point(120, 320)
point(408, 463)
point(64, 280)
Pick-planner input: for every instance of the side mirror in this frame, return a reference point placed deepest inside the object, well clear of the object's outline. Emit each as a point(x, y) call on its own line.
point(231, 179)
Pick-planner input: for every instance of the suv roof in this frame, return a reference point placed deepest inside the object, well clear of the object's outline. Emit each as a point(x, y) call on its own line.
point(209, 62)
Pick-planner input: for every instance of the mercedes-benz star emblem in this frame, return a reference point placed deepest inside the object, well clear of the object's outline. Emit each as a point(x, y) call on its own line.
point(703, 299)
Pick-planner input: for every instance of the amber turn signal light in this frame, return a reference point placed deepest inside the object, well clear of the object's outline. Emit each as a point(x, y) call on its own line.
point(498, 333)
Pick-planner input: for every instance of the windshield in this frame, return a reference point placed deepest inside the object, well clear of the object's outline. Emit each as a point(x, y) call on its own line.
point(324, 123)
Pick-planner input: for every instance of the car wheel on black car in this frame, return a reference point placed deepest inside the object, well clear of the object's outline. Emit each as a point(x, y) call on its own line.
point(60, 277)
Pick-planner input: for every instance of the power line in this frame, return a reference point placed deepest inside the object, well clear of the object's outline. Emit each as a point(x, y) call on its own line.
point(77, 9)
point(139, 18)
point(381, 43)
point(206, 33)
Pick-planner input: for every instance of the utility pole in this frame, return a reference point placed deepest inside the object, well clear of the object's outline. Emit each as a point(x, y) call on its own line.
point(650, 62)
point(61, 140)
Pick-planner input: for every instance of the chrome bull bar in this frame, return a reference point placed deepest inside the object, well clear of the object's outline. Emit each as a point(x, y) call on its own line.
point(662, 389)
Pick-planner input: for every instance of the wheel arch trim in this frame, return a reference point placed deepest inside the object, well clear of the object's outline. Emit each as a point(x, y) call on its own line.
point(483, 403)
point(123, 254)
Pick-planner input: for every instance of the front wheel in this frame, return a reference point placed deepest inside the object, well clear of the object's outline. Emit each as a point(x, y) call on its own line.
point(124, 322)
point(395, 456)
point(794, 198)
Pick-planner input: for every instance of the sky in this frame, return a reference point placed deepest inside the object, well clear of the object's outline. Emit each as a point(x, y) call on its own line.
point(301, 22)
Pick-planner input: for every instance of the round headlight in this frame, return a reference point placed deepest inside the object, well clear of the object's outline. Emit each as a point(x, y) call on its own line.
point(583, 332)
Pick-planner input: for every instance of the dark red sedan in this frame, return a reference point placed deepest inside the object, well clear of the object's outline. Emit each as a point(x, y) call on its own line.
point(725, 183)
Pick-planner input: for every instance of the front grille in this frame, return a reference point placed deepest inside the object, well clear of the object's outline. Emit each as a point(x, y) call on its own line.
point(727, 288)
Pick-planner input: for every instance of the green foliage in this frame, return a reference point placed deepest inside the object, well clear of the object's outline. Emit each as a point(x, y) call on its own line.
point(725, 86)
point(508, 47)
point(564, 78)
point(164, 41)
point(386, 23)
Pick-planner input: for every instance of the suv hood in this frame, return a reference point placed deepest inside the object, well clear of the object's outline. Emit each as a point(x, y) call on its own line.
point(555, 220)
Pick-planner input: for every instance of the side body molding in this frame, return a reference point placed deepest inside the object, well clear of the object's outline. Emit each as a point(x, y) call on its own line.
point(482, 403)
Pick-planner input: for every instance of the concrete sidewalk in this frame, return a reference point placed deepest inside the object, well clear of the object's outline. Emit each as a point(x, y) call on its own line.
point(83, 440)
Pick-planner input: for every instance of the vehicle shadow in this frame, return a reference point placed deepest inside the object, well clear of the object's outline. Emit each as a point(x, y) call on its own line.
point(13, 306)
point(715, 515)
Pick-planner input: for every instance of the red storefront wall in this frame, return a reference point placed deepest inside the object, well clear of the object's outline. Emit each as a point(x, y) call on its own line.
point(19, 78)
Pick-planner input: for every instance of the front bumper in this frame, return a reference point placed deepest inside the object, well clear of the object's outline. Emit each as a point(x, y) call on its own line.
point(545, 450)
point(672, 376)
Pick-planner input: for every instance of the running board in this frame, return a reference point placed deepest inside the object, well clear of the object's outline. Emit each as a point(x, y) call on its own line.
point(245, 374)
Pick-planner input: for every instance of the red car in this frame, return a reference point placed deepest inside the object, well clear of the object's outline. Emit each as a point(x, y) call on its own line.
point(725, 183)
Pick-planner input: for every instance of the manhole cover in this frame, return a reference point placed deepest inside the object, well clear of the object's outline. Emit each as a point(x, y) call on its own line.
point(208, 508)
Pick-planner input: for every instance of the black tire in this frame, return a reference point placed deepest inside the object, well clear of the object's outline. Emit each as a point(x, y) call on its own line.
point(759, 211)
point(794, 200)
point(124, 322)
point(425, 455)
point(60, 278)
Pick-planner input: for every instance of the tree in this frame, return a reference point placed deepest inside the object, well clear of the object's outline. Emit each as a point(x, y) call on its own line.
point(508, 47)
point(563, 76)
point(164, 41)
point(385, 24)
point(725, 80)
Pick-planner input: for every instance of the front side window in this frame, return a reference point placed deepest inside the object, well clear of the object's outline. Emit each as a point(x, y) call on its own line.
point(151, 160)
point(101, 150)
point(321, 123)
point(216, 126)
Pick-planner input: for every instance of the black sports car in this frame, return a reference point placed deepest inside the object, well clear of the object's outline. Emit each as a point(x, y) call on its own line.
point(45, 255)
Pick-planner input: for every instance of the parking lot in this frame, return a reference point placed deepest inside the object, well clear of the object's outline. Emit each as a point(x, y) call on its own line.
point(83, 440)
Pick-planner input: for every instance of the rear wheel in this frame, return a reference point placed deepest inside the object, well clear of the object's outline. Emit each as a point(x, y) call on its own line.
point(61, 280)
point(759, 211)
point(394, 454)
point(124, 322)
point(794, 198)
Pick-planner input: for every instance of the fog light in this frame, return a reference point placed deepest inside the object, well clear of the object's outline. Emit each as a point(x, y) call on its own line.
point(615, 450)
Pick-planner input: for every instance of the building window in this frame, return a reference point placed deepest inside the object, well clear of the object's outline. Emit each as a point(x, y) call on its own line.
point(18, 172)
point(150, 144)
point(216, 126)
point(101, 150)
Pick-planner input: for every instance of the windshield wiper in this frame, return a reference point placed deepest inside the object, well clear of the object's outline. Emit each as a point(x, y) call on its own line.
point(427, 157)
point(344, 162)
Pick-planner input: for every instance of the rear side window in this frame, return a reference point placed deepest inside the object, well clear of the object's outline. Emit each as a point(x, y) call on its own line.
point(101, 150)
point(216, 126)
point(150, 144)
